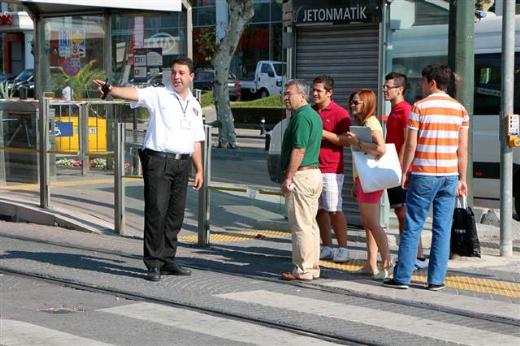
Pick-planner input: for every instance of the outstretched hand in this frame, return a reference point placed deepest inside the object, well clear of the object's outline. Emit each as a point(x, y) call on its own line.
point(100, 84)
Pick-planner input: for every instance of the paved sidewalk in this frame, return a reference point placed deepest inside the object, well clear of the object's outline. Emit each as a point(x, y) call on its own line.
point(248, 271)
point(490, 277)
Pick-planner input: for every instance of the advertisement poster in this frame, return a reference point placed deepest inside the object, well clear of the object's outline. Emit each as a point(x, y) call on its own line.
point(147, 62)
point(77, 39)
point(64, 50)
point(71, 47)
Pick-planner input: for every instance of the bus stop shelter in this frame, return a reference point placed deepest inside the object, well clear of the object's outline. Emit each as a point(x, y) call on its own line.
point(128, 42)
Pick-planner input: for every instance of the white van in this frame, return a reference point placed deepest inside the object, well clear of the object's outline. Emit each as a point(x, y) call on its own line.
point(415, 48)
point(268, 79)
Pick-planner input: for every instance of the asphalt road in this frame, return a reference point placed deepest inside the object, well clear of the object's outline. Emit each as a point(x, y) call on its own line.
point(40, 312)
point(73, 288)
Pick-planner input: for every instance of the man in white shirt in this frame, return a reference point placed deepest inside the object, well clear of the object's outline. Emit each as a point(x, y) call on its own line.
point(174, 136)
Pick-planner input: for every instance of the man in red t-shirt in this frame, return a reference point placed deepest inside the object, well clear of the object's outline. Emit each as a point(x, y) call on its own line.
point(335, 119)
point(396, 125)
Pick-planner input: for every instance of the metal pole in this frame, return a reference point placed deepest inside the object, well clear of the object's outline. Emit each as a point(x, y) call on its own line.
point(43, 152)
point(203, 219)
point(506, 152)
point(3, 176)
point(384, 205)
point(290, 56)
point(83, 133)
point(189, 28)
point(461, 56)
point(119, 185)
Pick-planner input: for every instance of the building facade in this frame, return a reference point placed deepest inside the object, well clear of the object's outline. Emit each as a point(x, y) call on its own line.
point(261, 40)
point(16, 38)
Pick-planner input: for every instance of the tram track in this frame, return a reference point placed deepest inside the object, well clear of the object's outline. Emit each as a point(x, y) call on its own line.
point(120, 293)
point(222, 251)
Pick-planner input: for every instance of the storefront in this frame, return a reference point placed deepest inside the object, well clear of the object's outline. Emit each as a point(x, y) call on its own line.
point(341, 39)
point(16, 35)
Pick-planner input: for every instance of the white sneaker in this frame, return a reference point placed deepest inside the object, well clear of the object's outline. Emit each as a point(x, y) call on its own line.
point(385, 273)
point(340, 255)
point(326, 253)
point(421, 264)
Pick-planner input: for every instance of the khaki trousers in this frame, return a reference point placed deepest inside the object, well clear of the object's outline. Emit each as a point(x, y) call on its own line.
point(302, 207)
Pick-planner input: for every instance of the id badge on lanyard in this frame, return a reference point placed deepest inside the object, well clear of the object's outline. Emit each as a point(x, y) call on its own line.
point(185, 124)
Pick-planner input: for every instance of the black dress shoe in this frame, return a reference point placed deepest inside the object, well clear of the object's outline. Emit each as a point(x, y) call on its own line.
point(153, 274)
point(174, 269)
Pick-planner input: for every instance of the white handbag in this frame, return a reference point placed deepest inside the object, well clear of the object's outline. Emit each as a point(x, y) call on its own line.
point(378, 174)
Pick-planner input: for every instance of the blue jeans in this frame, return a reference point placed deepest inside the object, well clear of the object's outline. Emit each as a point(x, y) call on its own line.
point(423, 192)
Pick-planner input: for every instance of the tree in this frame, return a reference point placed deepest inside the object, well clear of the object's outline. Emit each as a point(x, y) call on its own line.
point(240, 13)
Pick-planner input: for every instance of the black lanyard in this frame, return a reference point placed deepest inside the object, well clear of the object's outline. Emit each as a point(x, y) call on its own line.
point(180, 104)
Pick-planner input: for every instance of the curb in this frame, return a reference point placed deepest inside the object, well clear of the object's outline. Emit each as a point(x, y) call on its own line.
point(19, 211)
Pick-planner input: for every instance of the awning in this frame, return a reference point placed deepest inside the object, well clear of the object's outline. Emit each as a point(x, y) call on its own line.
point(15, 22)
point(61, 6)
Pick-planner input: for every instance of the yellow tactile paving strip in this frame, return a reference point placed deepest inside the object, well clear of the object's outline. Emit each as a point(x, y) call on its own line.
point(236, 237)
point(66, 183)
point(460, 282)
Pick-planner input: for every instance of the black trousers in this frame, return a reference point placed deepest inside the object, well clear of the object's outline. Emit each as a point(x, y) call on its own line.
point(165, 184)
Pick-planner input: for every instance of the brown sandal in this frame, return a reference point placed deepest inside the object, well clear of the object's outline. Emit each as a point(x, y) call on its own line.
point(288, 276)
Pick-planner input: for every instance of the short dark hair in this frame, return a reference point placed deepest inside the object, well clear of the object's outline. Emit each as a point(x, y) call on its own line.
point(184, 60)
point(400, 79)
point(441, 74)
point(328, 82)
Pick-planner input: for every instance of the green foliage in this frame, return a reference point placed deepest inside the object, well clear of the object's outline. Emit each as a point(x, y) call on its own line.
point(207, 99)
point(6, 91)
point(81, 83)
point(206, 47)
point(275, 101)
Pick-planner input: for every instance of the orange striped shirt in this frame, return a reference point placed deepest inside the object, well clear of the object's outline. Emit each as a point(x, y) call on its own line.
point(438, 119)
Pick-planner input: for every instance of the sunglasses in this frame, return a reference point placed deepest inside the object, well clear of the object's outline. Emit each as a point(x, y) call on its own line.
point(386, 87)
point(356, 102)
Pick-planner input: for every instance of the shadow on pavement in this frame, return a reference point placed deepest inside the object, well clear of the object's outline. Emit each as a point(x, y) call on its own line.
point(76, 261)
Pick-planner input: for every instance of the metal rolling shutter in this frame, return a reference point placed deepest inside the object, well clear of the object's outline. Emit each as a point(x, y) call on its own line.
point(350, 55)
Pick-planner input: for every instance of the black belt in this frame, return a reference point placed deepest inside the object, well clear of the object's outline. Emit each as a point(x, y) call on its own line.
point(164, 155)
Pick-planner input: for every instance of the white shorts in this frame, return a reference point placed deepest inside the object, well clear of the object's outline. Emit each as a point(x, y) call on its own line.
point(331, 199)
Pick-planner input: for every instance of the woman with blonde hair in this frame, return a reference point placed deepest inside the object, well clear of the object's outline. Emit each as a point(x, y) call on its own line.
point(363, 107)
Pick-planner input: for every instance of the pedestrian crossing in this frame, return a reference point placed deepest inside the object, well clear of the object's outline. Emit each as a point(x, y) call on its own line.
point(18, 333)
point(447, 332)
point(212, 327)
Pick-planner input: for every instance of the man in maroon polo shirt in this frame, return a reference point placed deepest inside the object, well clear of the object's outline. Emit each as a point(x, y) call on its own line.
point(396, 126)
point(330, 213)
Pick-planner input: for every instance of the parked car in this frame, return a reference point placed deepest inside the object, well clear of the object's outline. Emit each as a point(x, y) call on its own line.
point(23, 77)
point(205, 80)
point(267, 80)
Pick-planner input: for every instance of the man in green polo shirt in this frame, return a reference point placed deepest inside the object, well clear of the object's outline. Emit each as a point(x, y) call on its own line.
point(303, 182)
